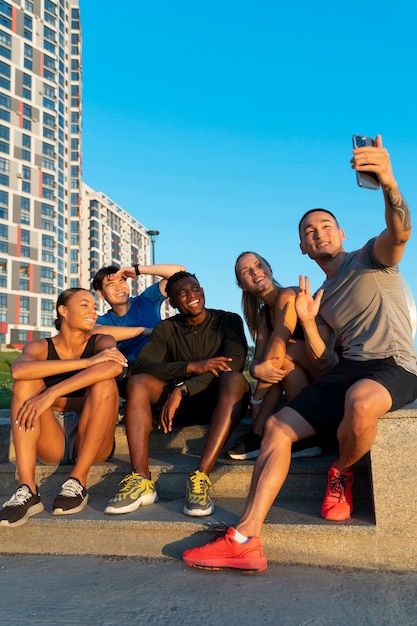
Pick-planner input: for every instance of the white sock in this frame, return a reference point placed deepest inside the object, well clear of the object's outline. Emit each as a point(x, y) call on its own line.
point(239, 537)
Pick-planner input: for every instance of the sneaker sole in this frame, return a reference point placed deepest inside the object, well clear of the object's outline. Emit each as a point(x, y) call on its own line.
point(249, 566)
point(246, 456)
point(198, 512)
point(307, 453)
point(149, 498)
point(76, 509)
point(36, 508)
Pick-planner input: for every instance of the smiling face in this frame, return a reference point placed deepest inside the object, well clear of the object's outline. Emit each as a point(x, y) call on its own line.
point(254, 274)
point(80, 311)
point(321, 237)
point(115, 292)
point(188, 297)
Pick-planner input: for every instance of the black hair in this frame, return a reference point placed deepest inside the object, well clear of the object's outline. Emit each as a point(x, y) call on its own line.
point(314, 211)
point(63, 299)
point(175, 278)
point(102, 274)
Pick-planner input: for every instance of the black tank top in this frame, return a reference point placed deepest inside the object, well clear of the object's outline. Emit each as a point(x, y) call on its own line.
point(57, 378)
point(298, 330)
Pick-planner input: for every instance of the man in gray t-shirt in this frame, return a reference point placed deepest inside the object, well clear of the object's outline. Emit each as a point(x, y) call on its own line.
point(363, 302)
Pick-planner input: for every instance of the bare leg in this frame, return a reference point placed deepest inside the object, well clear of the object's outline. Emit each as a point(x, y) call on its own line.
point(143, 391)
point(272, 467)
point(268, 406)
point(231, 403)
point(365, 402)
point(45, 442)
point(96, 427)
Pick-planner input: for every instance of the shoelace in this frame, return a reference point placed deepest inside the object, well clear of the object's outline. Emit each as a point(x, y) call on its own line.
point(338, 485)
point(71, 489)
point(199, 480)
point(21, 496)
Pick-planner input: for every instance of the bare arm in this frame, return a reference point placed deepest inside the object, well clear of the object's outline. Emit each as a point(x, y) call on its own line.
point(122, 332)
point(165, 270)
point(32, 363)
point(319, 340)
point(390, 244)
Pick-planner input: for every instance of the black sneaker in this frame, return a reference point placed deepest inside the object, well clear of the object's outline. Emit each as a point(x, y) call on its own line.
point(245, 448)
point(22, 505)
point(72, 498)
point(306, 448)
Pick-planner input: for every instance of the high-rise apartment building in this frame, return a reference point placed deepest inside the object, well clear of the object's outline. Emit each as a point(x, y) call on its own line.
point(47, 227)
point(109, 236)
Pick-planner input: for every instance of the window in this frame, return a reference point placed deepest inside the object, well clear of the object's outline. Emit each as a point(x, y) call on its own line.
point(22, 336)
point(26, 172)
point(48, 180)
point(5, 45)
point(3, 307)
point(24, 310)
point(47, 149)
point(48, 164)
point(48, 91)
point(5, 73)
point(25, 236)
point(4, 165)
point(26, 141)
point(47, 242)
point(5, 14)
point(47, 210)
point(47, 273)
point(24, 276)
point(50, 6)
point(47, 312)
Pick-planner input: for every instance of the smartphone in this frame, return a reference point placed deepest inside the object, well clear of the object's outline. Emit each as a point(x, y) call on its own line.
point(367, 180)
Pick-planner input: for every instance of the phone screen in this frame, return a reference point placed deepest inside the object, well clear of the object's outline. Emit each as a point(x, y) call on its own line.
point(367, 180)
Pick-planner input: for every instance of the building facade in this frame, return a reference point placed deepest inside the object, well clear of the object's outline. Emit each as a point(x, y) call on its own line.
point(54, 233)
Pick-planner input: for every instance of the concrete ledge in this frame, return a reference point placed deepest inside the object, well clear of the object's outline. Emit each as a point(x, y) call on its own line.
point(393, 468)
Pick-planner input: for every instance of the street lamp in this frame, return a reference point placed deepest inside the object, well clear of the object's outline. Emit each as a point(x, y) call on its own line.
point(153, 236)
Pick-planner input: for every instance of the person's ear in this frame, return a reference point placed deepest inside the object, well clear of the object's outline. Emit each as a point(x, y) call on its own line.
point(302, 248)
point(100, 294)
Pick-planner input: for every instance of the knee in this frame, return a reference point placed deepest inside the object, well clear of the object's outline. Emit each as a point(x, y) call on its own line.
point(363, 418)
point(233, 383)
point(104, 390)
point(274, 434)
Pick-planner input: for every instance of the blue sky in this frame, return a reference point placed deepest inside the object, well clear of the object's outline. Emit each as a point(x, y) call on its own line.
point(219, 124)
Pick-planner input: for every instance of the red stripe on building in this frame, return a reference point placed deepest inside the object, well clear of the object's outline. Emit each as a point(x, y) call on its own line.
point(20, 114)
point(14, 19)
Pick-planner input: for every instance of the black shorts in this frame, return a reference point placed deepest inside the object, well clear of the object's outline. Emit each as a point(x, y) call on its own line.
point(193, 410)
point(321, 404)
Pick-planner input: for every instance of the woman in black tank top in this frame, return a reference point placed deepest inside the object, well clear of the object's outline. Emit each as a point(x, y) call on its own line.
point(74, 371)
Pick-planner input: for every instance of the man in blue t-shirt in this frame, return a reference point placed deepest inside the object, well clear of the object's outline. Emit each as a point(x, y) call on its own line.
point(131, 319)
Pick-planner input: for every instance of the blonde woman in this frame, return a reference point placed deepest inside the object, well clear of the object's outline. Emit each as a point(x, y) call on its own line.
point(280, 361)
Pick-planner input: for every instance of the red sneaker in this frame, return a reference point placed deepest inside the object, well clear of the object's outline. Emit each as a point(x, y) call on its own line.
point(338, 501)
point(225, 552)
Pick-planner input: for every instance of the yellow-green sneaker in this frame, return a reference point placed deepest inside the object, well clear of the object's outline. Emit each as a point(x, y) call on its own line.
point(135, 490)
point(197, 500)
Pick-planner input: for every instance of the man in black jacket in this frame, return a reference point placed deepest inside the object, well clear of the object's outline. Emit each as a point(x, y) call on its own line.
point(190, 372)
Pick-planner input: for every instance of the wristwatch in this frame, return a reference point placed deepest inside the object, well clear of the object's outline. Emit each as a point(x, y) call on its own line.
point(182, 387)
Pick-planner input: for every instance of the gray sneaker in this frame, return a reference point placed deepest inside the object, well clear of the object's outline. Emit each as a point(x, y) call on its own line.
point(197, 500)
point(135, 490)
point(22, 505)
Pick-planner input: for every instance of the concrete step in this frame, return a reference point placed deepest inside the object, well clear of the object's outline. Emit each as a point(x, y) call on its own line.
point(293, 532)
